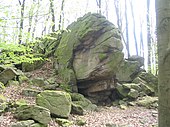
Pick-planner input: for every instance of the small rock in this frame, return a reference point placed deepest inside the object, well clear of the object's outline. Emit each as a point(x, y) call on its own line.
point(76, 109)
point(80, 122)
point(64, 122)
point(7, 75)
point(133, 93)
point(26, 123)
point(39, 82)
point(147, 101)
point(30, 92)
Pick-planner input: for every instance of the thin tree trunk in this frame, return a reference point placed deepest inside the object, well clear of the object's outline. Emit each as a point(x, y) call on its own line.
point(61, 20)
point(36, 19)
point(141, 41)
point(149, 36)
point(134, 28)
point(52, 14)
point(99, 6)
point(127, 30)
point(45, 27)
point(22, 5)
point(163, 37)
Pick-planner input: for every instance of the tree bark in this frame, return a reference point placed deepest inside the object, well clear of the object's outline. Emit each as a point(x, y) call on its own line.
point(52, 14)
point(149, 36)
point(134, 28)
point(127, 30)
point(99, 6)
point(61, 20)
point(22, 4)
point(163, 37)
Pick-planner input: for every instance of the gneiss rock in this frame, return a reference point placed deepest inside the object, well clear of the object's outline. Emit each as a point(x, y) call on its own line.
point(37, 113)
point(58, 102)
point(93, 49)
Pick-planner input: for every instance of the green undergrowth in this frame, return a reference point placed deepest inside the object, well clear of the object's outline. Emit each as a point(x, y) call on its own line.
point(17, 53)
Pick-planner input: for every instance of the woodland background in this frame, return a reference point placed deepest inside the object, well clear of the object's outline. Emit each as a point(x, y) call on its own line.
point(22, 21)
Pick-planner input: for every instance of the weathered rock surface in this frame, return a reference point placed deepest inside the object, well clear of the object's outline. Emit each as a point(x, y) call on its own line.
point(30, 92)
point(80, 100)
point(128, 71)
point(148, 102)
point(7, 75)
point(37, 113)
point(138, 59)
point(58, 102)
point(26, 66)
point(26, 123)
point(90, 53)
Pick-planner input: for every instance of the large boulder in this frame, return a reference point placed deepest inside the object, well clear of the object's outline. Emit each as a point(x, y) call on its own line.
point(37, 113)
point(58, 102)
point(90, 53)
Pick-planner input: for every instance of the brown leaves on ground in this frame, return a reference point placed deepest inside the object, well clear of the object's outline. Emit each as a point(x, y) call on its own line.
point(131, 117)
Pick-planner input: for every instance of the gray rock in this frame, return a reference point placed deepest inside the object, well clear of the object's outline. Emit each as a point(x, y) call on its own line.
point(133, 94)
point(58, 102)
point(7, 75)
point(138, 59)
point(37, 113)
point(27, 66)
point(128, 71)
point(26, 123)
point(93, 49)
point(76, 109)
point(79, 99)
point(39, 82)
point(30, 92)
point(148, 102)
point(64, 122)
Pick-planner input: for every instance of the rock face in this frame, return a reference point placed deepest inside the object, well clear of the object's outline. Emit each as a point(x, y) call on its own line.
point(58, 102)
point(90, 53)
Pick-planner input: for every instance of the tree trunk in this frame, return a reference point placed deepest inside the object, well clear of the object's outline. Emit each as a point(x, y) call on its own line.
point(163, 37)
point(149, 36)
point(22, 4)
point(36, 19)
point(61, 20)
point(134, 28)
point(52, 14)
point(99, 6)
point(127, 30)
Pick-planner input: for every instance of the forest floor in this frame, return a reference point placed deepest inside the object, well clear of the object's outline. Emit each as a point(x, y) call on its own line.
point(105, 116)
